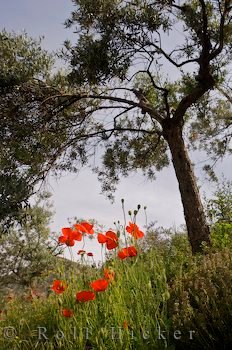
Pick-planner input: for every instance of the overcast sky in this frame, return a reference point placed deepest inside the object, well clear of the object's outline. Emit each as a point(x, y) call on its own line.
point(80, 195)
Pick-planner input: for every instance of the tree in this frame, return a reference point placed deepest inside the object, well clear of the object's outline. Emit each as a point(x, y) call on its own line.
point(28, 250)
point(118, 66)
point(22, 61)
point(28, 126)
point(121, 49)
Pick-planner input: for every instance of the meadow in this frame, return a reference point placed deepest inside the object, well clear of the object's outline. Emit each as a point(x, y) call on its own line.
point(149, 293)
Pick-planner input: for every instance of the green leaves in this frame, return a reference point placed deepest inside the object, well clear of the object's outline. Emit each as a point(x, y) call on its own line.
point(21, 58)
point(111, 33)
point(57, 122)
point(24, 66)
point(95, 60)
point(25, 249)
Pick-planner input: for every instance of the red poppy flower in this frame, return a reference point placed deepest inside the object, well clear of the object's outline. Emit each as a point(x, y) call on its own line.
point(89, 254)
point(101, 238)
point(109, 274)
point(123, 253)
point(67, 313)
point(81, 252)
point(69, 236)
point(132, 251)
point(85, 295)
point(58, 286)
point(134, 230)
point(84, 227)
point(127, 252)
point(99, 285)
point(110, 238)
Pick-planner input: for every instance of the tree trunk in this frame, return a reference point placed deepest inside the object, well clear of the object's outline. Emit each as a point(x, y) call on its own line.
point(198, 230)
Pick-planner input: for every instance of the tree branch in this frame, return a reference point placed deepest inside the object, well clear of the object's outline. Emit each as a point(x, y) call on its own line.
point(102, 132)
point(143, 104)
point(205, 37)
point(204, 78)
point(218, 50)
point(167, 56)
point(164, 90)
point(224, 93)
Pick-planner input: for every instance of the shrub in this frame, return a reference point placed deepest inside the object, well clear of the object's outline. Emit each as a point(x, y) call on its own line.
point(201, 301)
point(219, 212)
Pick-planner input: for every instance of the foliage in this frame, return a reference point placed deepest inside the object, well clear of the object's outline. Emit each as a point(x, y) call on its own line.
point(219, 210)
point(27, 251)
point(21, 60)
point(33, 131)
point(122, 44)
point(201, 301)
point(117, 66)
point(103, 318)
point(174, 247)
point(23, 63)
point(120, 61)
point(161, 298)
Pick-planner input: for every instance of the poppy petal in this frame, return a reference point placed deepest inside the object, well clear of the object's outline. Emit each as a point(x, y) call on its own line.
point(77, 236)
point(88, 227)
point(62, 239)
point(132, 251)
point(67, 313)
point(85, 295)
point(112, 235)
point(66, 231)
point(101, 238)
point(122, 254)
point(99, 285)
point(110, 244)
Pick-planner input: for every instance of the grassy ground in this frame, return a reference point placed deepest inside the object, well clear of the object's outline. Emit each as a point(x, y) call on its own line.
point(128, 315)
point(163, 298)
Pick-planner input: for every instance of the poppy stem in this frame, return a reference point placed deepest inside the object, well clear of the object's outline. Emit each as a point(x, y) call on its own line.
point(83, 241)
point(124, 227)
point(102, 253)
point(145, 212)
point(71, 254)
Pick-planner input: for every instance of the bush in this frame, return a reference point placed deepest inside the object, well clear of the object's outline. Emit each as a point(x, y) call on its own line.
point(201, 301)
point(219, 212)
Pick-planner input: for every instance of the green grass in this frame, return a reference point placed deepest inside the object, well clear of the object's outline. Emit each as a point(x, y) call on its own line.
point(162, 294)
point(138, 296)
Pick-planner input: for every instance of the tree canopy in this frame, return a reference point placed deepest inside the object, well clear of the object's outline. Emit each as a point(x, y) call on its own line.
point(29, 126)
point(22, 62)
point(28, 250)
point(119, 94)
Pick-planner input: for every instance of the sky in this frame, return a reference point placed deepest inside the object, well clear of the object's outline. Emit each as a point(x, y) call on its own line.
point(79, 196)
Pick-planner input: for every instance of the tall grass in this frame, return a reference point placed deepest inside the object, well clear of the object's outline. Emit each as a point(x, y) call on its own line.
point(163, 298)
point(128, 315)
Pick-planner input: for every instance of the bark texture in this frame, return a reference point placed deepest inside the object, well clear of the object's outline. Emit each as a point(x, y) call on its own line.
point(198, 230)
